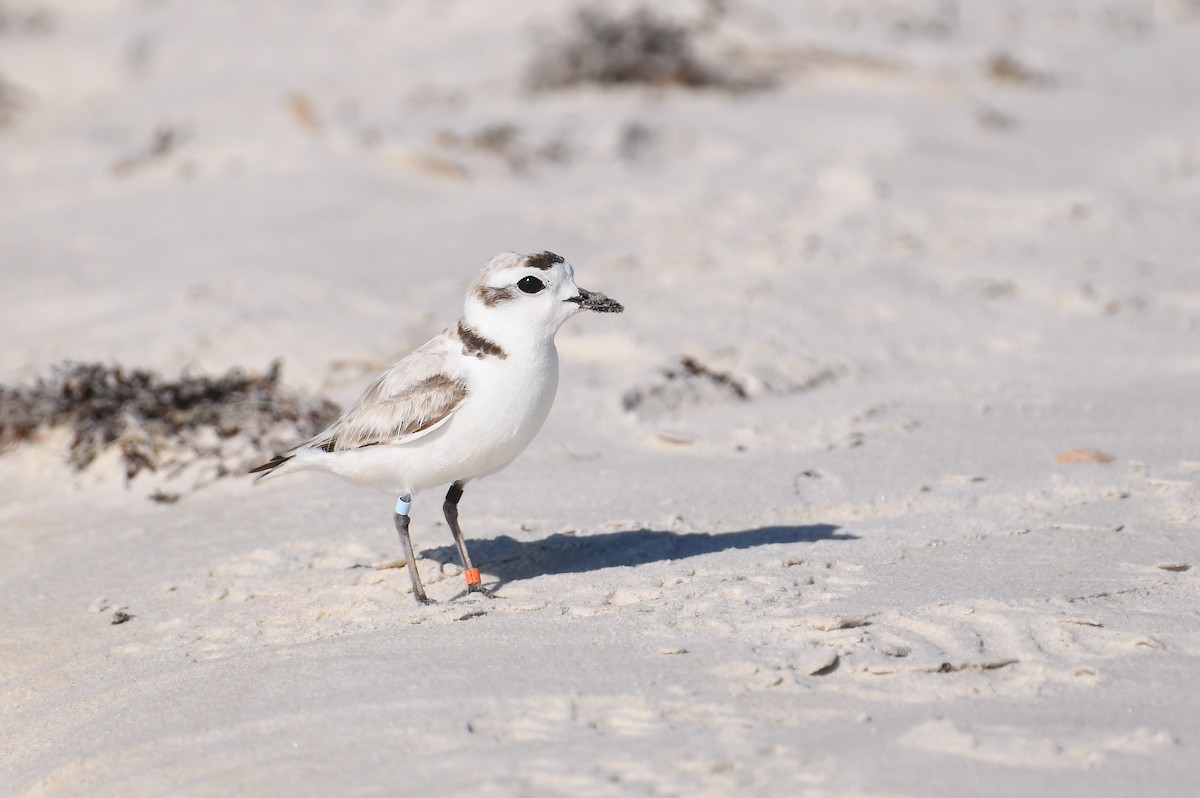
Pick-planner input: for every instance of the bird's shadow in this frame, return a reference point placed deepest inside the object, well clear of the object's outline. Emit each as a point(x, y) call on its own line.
point(509, 559)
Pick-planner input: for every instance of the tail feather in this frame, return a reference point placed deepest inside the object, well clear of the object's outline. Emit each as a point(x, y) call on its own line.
point(269, 466)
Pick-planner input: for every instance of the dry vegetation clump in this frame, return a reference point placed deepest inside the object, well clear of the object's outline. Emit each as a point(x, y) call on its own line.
point(164, 142)
point(1004, 67)
point(15, 22)
point(691, 382)
point(636, 48)
point(31, 20)
point(12, 102)
point(161, 425)
point(504, 141)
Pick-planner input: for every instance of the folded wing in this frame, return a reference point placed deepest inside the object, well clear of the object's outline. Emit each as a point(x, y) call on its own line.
point(409, 400)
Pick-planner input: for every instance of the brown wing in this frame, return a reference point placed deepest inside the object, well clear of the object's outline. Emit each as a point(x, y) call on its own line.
point(408, 400)
point(416, 409)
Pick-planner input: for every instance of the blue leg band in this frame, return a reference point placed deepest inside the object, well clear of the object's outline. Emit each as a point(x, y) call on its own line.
point(403, 505)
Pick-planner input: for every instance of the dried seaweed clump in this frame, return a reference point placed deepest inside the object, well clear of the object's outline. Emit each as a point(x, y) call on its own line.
point(505, 142)
point(12, 102)
point(693, 383)
point(160, 425)
point(639, 47)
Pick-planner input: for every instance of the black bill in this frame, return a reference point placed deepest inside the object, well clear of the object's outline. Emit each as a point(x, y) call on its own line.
point(594, 300)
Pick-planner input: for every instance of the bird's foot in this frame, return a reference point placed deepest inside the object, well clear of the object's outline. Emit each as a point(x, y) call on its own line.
point(473, 583)
point(480, 589)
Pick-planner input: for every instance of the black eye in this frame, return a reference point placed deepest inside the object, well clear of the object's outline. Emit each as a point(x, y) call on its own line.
point(530, 284)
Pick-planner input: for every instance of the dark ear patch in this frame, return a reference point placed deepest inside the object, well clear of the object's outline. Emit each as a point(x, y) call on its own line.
point(543, 260)
point(494, 296)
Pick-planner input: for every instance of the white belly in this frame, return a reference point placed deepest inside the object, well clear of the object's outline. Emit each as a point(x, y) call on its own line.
point(505, 409)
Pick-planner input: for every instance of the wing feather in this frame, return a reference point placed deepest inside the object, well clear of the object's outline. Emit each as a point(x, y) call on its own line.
point(409, 400)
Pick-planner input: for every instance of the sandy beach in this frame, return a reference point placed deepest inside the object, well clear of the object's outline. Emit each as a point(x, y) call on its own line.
point(886, 483)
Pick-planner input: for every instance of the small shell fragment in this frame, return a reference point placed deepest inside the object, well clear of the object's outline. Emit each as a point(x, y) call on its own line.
point(1080, 456)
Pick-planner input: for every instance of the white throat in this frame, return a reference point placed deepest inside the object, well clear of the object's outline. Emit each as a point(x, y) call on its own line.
point(517, 334)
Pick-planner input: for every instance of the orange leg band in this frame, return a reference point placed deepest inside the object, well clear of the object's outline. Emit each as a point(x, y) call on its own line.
point(472, 575)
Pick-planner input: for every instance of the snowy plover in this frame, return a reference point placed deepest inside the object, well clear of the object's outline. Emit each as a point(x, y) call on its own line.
point(462, 406)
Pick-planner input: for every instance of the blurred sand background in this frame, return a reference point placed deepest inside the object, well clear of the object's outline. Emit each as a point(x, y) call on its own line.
point(824, 513)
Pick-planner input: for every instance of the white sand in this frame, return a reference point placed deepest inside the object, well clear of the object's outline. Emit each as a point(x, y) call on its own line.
point(869, 578)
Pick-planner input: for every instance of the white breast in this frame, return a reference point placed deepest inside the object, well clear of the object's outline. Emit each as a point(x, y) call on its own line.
point(507, 403)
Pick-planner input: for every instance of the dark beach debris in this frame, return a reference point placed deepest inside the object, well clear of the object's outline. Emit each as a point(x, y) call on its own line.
point(691, 381)
point(1005, 67)
point(28, 20)
point(164, 141)
point(13, 101)
point(690, 367)
point(687, 382)
point(120, 617)
point(638, 47)
point(471, 615)
point(505, 142)
point(157, 424)
point(955, 667)
point(995, 120)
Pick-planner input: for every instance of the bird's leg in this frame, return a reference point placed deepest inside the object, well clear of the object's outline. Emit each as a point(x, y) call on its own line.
point(450, 508)
point(402, 506)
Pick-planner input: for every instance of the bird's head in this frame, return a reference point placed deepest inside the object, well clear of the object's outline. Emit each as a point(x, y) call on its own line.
point(529, 294)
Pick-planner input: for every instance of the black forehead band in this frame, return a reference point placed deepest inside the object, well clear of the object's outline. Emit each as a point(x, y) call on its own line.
point(543, 260)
